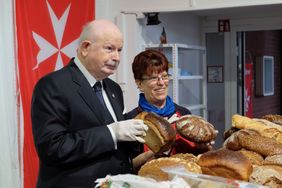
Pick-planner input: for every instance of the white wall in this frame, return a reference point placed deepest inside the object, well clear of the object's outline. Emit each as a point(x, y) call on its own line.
point(185, 31)
point(9, 137)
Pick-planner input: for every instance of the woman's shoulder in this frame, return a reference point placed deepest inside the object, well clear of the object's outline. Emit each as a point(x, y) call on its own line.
point(181, 110)
point(131, 114)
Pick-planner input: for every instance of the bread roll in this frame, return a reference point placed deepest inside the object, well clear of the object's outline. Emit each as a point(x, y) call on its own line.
point(267, 175)
point(225, 163)
point(160, 134)
point(153, 169)
point(195, 129)
point(264, 127)
point(253, 141)
point(274, 118)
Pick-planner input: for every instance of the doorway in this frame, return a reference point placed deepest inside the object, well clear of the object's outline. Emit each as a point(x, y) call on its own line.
point(215, 88)
point(253, 47)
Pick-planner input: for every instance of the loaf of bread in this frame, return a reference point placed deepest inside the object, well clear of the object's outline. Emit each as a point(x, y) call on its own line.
point(186, 156)
point(273, 160)
point(264, 127)
point(274, 118)
point(267, 175)
point(229, 132)
point(254, 157)
point(154, 169)
point(160, 134)
point(253, 141)
point(225, 163)
point(195, 129)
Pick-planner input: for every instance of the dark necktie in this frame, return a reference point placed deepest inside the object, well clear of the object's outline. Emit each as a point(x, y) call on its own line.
point(98, 90)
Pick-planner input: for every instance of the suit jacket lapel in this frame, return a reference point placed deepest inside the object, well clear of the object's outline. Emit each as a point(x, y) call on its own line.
point(87, 93)
point(114, 100)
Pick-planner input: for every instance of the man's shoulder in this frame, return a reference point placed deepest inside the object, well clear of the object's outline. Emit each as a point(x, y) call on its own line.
point(56, 76)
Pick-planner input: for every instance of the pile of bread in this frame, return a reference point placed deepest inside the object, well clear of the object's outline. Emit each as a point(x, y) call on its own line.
point(251, 152)
point(260, 140)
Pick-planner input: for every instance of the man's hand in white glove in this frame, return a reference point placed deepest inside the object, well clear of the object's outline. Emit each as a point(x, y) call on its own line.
point(129, 130)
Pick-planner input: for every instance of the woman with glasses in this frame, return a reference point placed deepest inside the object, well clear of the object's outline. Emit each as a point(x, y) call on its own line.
point(150, 69)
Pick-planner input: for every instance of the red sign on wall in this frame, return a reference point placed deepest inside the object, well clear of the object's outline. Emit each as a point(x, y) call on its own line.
point(223, 25)
point(248, 90)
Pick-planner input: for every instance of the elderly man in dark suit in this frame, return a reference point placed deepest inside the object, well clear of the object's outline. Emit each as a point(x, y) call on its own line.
point(79, 131)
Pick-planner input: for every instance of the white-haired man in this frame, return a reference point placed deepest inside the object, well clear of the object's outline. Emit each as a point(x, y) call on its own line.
point(79, 135)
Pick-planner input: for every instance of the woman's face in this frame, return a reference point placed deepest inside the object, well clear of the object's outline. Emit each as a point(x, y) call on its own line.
point(155, 88)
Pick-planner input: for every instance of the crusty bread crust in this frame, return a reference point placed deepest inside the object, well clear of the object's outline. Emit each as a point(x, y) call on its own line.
point(195, 129)
point(253, 141)
point(273, 160)
point(274, 118)
point(267, 175)
point(226, 163)
point(160, 135)
point(186, 156)
point(254, 157)
point(153, 169)
point(264, 127)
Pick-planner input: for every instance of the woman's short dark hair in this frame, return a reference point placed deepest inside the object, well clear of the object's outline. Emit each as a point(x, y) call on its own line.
point(149, 62)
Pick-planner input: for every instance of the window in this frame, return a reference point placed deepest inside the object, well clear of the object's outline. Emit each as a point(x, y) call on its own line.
point(265, 76)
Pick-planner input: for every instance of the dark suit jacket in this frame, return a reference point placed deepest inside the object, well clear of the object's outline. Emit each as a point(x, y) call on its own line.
point(69, 126)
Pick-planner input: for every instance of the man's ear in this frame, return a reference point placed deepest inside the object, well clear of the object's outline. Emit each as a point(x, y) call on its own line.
point(84, 47)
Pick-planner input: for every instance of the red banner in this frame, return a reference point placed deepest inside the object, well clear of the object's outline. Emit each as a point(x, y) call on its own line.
point(47, 33)
point(248, 90)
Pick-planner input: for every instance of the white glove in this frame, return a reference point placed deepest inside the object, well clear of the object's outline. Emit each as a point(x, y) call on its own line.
point(129, 130)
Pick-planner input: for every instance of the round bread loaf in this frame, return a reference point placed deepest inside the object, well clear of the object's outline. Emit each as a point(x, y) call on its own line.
point(195, 129)
point(160, 134)
point(153, 169)
point(225, 163)
point(186, 156)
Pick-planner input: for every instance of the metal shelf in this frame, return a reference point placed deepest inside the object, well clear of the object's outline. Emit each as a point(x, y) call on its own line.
point(194, 77)
point(194, 106)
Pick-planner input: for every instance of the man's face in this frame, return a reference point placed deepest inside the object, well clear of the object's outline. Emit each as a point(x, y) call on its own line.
point(103, 55)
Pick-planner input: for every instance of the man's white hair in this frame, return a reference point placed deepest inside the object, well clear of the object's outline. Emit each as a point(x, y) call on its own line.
point(86, 33)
